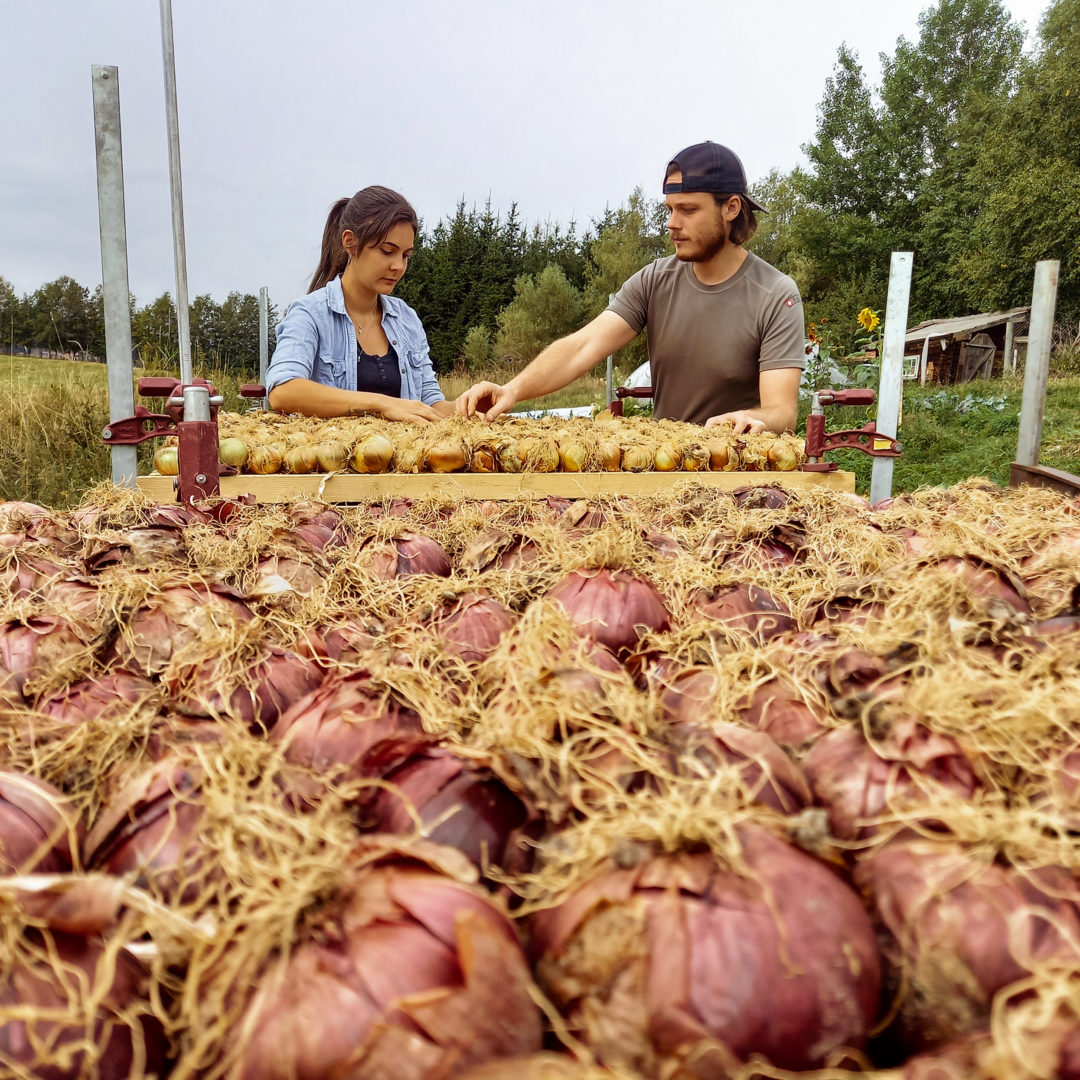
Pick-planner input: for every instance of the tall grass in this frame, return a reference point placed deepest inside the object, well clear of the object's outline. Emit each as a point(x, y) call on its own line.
point(590, 389)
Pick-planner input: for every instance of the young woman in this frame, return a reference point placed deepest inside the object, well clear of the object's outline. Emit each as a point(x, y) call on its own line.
point(349, 347)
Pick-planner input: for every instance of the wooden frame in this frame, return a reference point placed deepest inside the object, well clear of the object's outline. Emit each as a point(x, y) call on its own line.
point(351, 487)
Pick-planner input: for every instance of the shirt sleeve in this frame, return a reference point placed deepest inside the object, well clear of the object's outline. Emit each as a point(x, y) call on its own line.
point(631, 302)
point(430, 390)
point(296, 348)
point(783, 340)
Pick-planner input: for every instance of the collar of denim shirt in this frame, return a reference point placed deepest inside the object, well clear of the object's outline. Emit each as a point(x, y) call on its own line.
point(335, 300)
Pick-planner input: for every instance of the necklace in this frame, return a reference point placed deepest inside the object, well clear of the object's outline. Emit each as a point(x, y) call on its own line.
point(359, 328)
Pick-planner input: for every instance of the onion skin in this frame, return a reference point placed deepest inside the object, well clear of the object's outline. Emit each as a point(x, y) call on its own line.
point(264, 460)
point(116, 692)
point(373, 455)
point(472, 625)
point(857, 781)
point(100, 998)
point(408, 553)
point(446, 456)
point(233, 452)
point(745, 610)
point(31, 647)
point(332, 456)
point(609, 606)
point(963, 928)
point(648, 962)
point(778, 710)
point(407, 974)
point(301, 459)
point(37, 825)
point(167, 460)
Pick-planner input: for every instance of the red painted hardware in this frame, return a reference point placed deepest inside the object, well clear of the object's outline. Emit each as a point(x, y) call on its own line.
point(867, 438)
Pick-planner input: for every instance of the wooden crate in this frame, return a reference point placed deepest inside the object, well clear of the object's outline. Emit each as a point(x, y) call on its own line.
point(349, 487)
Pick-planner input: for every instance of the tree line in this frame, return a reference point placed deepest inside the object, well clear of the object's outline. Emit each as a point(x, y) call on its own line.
point(68, 318)
point(965, 152)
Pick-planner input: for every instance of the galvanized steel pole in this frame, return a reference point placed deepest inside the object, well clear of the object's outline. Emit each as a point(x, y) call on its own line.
point(264, 337)
point(179, 249)
point(1037, 365)
point(114, 267)
point(890, 392)
point(1007, 364)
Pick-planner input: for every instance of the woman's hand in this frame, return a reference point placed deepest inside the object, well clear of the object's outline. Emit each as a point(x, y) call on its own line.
point(407, 410)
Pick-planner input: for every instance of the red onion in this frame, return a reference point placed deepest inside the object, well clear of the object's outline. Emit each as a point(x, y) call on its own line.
point(37, 824)
point(963, 928)
point(99, 698)
point(761, 497)
point(612, 607)
point(170, 621)
point(745, 609)
point(540, 1067)
point(350, 638)
point(408, 553)
point(406, 973)
point(986, 581)
point(88, 1009)
point(776, 708)
point(30, 648)
point(687, 694)
point(768, 775)
point(857, 781)
point(333, 729)
point(143, 547)
point(463, 802)
point(151, 829)
point(280, 574)
point(651, 963)
point(26, 575)
point(472, 624)
point(493, 549)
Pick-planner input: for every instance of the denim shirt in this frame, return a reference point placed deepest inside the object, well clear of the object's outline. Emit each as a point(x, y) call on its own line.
point(316, 340)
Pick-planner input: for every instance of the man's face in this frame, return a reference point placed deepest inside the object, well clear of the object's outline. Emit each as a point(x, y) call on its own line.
point(697, 223)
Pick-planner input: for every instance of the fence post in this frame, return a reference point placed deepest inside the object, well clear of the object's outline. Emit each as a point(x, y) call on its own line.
point(264, 338)
point(1037, 365)
point(891, 389)
point(116, 296)
point(1008, 364)
point(610, 370)
point(183, 322)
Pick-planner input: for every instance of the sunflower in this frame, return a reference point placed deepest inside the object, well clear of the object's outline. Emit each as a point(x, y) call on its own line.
point(868, 319)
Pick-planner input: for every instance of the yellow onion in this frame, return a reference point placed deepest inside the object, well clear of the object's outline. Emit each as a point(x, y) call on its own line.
point(572, 455)
point(373, 454)
point(611, 452)
point(636, 459)
point(446, 455)
point(666, 458)
point(511, 459)
point(301, 459)
point(332, 455)
point(785, 455)
point(233, 452)
point(695, 457)
point(167, 460)
point(409, 457)
point(483, 459)
point(265, 459)
point(540, 453)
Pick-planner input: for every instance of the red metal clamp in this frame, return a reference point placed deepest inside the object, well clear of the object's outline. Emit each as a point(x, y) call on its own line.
point(867, 438)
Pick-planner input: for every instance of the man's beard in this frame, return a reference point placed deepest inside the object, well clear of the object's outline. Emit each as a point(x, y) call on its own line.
point(710, 248)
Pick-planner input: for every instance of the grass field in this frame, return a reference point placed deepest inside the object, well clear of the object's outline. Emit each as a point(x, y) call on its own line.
point(52, 413)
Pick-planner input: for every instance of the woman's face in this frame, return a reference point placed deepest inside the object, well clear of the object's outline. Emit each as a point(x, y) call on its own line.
point(380, 266)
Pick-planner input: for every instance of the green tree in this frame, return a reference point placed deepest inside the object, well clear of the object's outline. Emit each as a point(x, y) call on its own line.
point(154, 334)
point(1027, 174)
point(59, 316)
point(11, 316)
point(543, 309)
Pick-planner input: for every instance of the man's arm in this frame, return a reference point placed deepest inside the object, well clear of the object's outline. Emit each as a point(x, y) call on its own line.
point(778, 391)
point(557, 366)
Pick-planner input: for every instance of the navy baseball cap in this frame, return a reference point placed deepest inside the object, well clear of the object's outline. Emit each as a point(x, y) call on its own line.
point(708, 166)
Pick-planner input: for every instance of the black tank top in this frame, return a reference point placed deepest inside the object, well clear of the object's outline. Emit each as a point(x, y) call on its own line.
point(378, 374)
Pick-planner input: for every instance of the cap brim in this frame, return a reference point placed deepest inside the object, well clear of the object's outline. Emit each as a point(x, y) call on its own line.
point(755, 205)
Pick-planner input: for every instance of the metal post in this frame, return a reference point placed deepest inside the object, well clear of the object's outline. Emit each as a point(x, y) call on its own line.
point(1007, 363)
point(264, 337)
point(610, 388)
point(179, 250)
point(890, 392)
point(1037, 365)
point(114, 267)
point(924, 360)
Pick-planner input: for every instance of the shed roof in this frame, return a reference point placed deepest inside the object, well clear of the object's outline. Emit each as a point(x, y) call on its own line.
point(965, 324)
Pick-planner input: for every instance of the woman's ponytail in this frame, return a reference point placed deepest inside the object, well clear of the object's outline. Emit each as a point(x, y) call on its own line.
point(332, 258)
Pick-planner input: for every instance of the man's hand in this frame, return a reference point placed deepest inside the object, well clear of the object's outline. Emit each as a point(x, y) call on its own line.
point(745, 423)
point(405, 409)
point(488, 398)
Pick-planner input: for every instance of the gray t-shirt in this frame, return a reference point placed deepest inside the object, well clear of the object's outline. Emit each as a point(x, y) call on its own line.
point(709, 343)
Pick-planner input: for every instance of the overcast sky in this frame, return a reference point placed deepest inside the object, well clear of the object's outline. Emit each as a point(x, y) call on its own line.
point(560, 105)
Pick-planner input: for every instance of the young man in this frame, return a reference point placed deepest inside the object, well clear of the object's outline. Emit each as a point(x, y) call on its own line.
point(726, 329)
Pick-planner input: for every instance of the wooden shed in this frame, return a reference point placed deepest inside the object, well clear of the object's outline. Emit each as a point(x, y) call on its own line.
point(968, 346)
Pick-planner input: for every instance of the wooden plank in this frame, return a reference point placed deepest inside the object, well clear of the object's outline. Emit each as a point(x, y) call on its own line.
point(1044, 476)
point(349, 487)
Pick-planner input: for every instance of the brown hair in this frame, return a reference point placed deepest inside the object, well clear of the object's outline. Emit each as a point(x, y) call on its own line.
point(370, 214)
point(745, 224)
